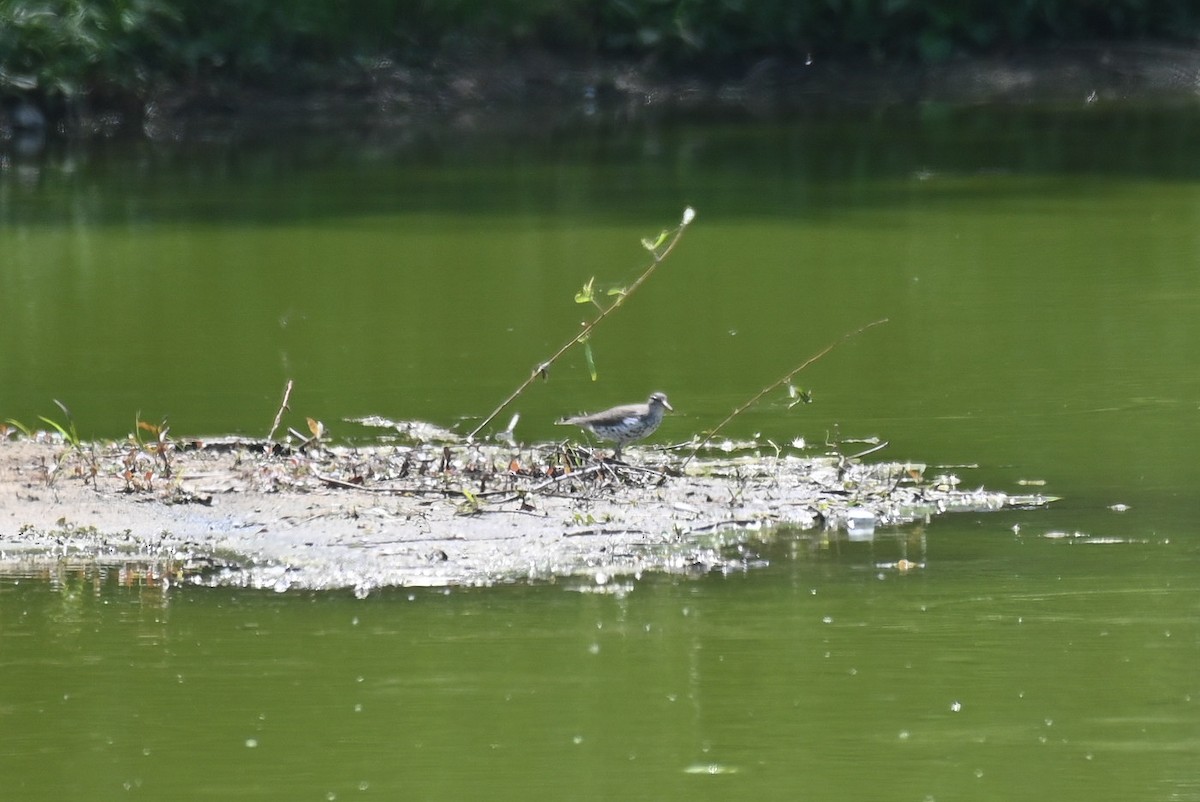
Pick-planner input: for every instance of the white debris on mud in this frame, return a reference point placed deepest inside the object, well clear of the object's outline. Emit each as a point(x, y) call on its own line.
point(249, 513)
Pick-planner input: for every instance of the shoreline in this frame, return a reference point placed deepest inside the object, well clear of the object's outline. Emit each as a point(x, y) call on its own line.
point(384, 96)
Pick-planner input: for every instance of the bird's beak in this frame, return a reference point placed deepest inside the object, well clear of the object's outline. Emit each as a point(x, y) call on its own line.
point(667, 404)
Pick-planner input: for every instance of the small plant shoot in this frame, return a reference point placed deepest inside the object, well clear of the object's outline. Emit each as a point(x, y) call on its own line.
point(591, 360)
point(661, 247)
point(587, 294)
point(653, 245)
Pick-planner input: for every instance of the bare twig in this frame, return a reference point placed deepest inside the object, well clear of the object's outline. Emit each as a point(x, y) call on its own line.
point(287, 394)
point(603, 530)
point(540, 488)
point(869, 451)
point(543, 367)
point(448, 492)
point(739, 523)
point(782, 381)
point(562, 477)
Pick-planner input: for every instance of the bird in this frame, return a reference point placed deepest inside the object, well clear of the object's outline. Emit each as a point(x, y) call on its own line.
point(624, 424)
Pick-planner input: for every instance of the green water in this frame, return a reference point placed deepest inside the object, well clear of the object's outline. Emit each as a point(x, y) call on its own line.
point(1039, 267)
point(1007, 668)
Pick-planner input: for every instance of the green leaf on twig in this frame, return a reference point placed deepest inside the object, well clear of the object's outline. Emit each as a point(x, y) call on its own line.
point(586, 295)
point(653, 245)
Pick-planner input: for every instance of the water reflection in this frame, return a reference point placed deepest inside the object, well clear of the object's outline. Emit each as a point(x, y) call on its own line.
point(1002, 663)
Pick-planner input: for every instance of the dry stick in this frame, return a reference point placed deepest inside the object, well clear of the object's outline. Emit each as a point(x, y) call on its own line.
point(396, 491)
point(543, 367)
point(787, 378)
point(287, 394)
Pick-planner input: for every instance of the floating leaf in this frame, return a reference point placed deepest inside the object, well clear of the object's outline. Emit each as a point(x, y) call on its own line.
point(316, 427)
point(146, 426)
point(616, 291)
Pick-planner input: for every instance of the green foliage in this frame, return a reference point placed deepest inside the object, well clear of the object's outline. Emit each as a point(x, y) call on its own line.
point(653, 245)
point(68, 432)
point(722, 31)
point(587, 295)
point(12, 424)
point(64, 49)
point(250, 39)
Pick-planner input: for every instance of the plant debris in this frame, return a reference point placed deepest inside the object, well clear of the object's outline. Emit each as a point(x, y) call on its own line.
point(306, 514)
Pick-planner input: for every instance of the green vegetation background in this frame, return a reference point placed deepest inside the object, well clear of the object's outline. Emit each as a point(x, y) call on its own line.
point(59, 50)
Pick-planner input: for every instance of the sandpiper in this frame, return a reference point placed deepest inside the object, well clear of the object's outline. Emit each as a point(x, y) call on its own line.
point(624, 424)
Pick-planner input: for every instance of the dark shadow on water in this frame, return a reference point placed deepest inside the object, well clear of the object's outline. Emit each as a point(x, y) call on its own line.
point(805, 164)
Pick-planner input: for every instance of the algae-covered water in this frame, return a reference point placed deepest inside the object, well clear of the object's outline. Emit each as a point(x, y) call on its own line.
point(1007, 666)
point(1038, 265)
